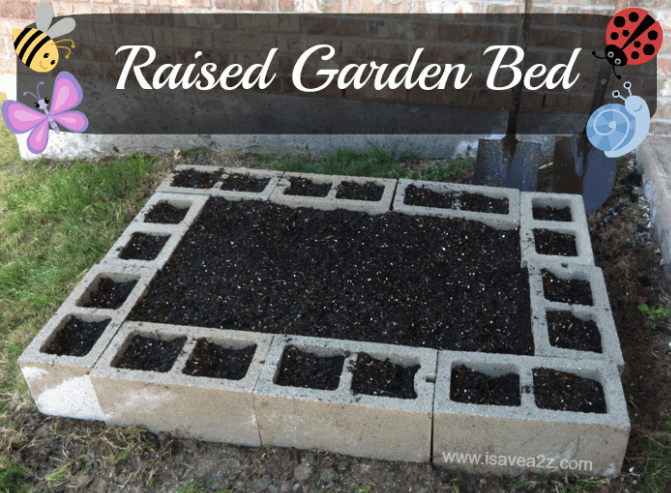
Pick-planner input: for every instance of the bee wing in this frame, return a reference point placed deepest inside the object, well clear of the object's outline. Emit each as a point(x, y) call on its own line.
point(38, 138)
point(67, 93)
point(62, 27)
point(74, 121)
point(43, 15)
point(19, 118)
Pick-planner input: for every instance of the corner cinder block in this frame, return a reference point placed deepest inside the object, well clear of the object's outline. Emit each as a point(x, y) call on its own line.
point(167, 186)
point(194, 204)
point(338, 421)
point(330, 201)
point(511, 220)
point(273, 176)
point(173, 233)
point(202, 408)
point(577, 227)
point(60, 384)
point(526, 439)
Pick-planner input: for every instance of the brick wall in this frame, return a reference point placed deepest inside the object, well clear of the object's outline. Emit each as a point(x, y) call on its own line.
point(362, 41)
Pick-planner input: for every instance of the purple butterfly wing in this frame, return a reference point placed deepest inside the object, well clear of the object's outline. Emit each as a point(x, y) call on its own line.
point(19, 118)
point(67, 93)
point(75, 121)
point(38, 138)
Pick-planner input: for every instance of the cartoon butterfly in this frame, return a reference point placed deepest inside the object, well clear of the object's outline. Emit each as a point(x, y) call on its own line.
point(67, 94)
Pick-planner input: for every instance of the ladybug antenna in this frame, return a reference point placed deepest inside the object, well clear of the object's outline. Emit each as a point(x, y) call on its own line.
point(618, 76)
point(602, 57)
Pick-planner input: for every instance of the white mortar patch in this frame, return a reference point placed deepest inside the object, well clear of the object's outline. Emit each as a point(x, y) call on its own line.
point(74, 398)
point(32, 373)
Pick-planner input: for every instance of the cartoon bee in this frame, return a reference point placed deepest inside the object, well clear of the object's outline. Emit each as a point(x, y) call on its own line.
point(35, 47)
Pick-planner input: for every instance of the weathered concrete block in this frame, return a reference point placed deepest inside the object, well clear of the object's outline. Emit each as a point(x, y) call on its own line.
point(202, 408)
point(526, 439)
point(339, 421)
point(273, 176)
point(511, 220)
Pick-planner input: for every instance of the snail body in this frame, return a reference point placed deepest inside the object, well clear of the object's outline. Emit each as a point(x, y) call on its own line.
point(618, 129)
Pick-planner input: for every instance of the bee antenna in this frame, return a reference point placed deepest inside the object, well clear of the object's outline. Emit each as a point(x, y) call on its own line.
point(65, 47)
point(602, 57)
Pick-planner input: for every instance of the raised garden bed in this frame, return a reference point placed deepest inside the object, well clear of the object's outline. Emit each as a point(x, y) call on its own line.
point(108, 294)
point(550, 242)
point(429, 282)
point(191, 178)
point(150, 354)
point(214, 361)
point(471, 386)
point(383, 378)
point(570, 332)
point(303, 369)
point(77, 337)
point(572, 291)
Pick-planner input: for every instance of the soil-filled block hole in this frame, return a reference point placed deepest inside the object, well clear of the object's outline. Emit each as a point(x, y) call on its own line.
point(303, 369)
point(572, 291)
point(109, 294)
point(476, 202)
point(243, 183)
point(212, 360)
point(360, 191)
point(570, 332)
point(77, 337)
point(561, 391)
point(143, 246)
point(145, 353)
point(552, 214)
point(423, 197)
point(190, 178)
point(473, 387)
point(307, 188)
point(166, 213)
point(371, 376)
point(550, 242)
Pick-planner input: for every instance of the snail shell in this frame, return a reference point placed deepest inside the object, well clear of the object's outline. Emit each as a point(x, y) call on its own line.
point(611, 127)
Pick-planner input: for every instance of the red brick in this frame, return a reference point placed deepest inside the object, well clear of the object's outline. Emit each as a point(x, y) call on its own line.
point(18, 10)
point(121, 16)
point(376, 6)
point(335, 26)
point(83, 70)
point(311, 6)
point(163, 55)
point(663, 66)
point(596, 20)
point(458, 11)
point(245, 5)
point(269, 23)
point(402, 29)
point(5, 43)
point(8, 65)
point(447, 54)
point(380, 52)
point(220, 59)
point(185, 4)
point(207, 21)
point(184, 38)
point(469, 33)
point(93, 52)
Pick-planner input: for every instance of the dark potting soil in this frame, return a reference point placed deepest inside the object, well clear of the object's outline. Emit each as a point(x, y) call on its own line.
point(423, 197)
point(360, 191)
point(77, 337)
point(476, 202)
point(418, 281)
point(552, 214)
point(109, 294)
point(190, 178)
point(473, 387)
point(244, 183)
point(166, 213)
point(307, 188)
point(550, 242)
point(562, 391)
point(212, 360)
point(144, 353)
point(143, 246)
point(302, 369)
point(371, 376)
point(573, 291)
point(570, 332)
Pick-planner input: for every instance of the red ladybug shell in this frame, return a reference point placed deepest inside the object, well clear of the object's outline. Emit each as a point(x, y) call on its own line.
point(636, 33)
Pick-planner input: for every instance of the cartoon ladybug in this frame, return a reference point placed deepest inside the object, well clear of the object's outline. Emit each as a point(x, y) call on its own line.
point(633, 37)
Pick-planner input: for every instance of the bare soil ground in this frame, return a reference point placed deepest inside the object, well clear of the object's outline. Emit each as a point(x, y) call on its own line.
point(62, 454)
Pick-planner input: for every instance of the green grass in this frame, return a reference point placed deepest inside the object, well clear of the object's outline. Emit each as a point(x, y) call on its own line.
point(659, 314)
point(11, 478)
point(655, 460)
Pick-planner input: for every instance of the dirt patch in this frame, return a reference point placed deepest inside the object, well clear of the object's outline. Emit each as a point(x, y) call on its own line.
point(77, 337)
point(214, 361)
point(303, 369)
point(552, 214)
point(476, 202)
point(190, 178)
point(473, 387)
point(109, 294)
point(143, 246)
point(561, 391)
point(371, 376)
point(166, 213)
point(570, 332)
point(550, 242)
point(307, 188)
point(572, 291)
point(360, 191)
point(243, 183)
point(150, 354)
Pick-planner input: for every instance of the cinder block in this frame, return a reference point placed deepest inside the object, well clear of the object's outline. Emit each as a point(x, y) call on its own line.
point(498, 221)
point(567, 271)
point(338, 421)
point(610, 342)
point(274, 177)
point(202, 408)
point(194, 203)
point(167, 187)
point(528, 439)
point(60, 385)
point(577, 227)
point(174, 234)
point(330, 202)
